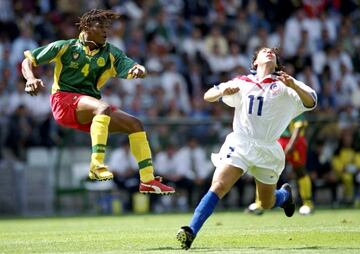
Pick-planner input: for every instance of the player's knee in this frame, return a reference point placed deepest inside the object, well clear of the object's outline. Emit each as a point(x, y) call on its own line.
point(103, 109)
point(135, 125)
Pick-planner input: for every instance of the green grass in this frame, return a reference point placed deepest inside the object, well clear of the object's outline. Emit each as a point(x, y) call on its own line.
point(327, 231)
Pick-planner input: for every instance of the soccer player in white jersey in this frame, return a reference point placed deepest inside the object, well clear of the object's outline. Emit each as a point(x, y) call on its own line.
point(264, 103)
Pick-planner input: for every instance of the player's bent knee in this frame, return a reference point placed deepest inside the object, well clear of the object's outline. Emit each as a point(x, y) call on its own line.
point(103, 109)
point(135, 125)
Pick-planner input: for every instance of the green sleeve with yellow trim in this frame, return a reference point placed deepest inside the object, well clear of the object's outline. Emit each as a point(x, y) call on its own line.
point(122, 63)
point(45, 54)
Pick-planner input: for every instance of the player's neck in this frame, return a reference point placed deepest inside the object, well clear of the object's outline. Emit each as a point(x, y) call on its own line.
point(263, 71)
point(88, 42)
point(91, 45)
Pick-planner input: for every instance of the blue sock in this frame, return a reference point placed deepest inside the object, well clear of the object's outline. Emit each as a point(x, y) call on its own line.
point(203, 211)
point(281, 195)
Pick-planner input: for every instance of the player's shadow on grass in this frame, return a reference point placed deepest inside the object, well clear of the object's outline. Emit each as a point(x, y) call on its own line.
point(162, 248)
point(194, 249)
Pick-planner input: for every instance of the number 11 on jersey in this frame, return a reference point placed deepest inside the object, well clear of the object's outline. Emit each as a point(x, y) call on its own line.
point(260, 100)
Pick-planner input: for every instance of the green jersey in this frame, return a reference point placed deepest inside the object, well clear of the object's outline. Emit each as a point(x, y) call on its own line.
point(297, 122)
point(79, 70)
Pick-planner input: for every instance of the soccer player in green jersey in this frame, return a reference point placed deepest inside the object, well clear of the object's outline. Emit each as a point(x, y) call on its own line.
point(82, 67)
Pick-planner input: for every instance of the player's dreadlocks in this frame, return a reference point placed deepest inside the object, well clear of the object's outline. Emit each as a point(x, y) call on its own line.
point(279, 66)
point(96, 15)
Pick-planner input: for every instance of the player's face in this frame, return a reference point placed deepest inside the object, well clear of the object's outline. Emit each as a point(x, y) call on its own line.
point(98, 32)
point(266, 56)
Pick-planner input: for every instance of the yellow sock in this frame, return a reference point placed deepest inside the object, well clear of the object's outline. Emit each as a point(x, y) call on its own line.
point(305, 189)
point(348, 181)
point(140, 148)
point(99, 135)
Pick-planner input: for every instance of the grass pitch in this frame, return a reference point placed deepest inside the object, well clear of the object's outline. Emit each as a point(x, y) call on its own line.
point(326, 231)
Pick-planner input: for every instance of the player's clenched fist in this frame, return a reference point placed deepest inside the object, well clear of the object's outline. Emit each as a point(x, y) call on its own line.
point(33, 86)
point(137, 71)
point(286, 79)
point(230, 90)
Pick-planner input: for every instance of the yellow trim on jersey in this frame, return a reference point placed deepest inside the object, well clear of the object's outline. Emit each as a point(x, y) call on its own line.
point(58, 68)
point(111, 72)
point(89, 52)
point(29, 56)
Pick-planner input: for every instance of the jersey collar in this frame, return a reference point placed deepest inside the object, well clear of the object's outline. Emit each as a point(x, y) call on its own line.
point(253, 79)
point(267, 79)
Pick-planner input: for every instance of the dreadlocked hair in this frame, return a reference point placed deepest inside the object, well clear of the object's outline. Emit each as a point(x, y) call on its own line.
point(279, 66)
point(96, 15)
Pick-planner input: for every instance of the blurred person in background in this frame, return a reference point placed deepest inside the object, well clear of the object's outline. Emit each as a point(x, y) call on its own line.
point(123, 165)
point(295, 146)
point(82, 67)
point(346, 163)
point(19, 132)
point(264, 103)
point(321, 170)
point(192, 161)
point(168, 165)
point(20, 44)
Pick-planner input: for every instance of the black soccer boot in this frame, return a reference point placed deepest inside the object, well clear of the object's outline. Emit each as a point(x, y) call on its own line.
point(289, 204)
point(185, 236)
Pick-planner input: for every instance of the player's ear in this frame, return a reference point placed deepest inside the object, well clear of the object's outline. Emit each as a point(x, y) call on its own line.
point(254, 65)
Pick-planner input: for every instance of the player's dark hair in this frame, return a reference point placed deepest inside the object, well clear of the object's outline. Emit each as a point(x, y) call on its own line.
point(279, 66)
point(96, 15)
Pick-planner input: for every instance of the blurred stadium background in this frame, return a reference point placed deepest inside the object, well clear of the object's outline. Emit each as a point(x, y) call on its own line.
point(187, 46)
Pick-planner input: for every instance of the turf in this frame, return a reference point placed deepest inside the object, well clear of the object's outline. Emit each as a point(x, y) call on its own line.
point(326, 231)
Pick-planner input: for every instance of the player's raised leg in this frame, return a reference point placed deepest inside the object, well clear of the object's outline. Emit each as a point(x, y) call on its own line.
point(269, 197)
point(140, 148)
point(96, 111)
point(224, 178)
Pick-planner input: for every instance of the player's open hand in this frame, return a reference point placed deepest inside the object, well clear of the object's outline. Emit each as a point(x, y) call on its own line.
point(230, 91)
point(286, 79)
point(33, 86)
point(137, 71)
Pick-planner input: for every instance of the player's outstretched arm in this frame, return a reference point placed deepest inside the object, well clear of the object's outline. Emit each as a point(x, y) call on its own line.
point(214, 94)
point(33, 84)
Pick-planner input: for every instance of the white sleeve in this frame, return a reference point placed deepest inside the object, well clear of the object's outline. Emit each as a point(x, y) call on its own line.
point(230, 100)
point(294, 96)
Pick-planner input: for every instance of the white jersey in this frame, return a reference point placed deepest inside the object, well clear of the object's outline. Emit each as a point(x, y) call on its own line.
point(263, 109)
